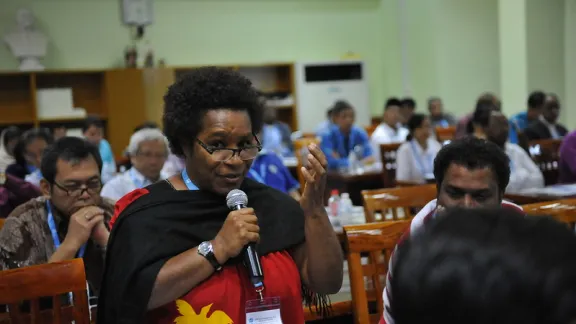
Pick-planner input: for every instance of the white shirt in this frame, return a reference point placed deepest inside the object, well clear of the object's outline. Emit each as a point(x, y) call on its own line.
point(384, 134)
point(34, 178)
point(126, 182)
point(415, 164)
point(524, 173)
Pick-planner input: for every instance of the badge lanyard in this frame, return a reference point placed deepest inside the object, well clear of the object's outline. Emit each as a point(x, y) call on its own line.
point(189, 184)
point(419, 161)
point(444, 123)
point(56, 240)
point(134, 178)
point(260, 177)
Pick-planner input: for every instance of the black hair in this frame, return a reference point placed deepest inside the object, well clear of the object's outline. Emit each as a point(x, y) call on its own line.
point(92, 121)
point(69, 149)
point(479, 265)
point(10, 133)
point(408, 102)
point(329, 112)
point(28, 137)
point(473, 153)
point(146, 125)
point(391, 102)
point(536, 100)
point(481, 115)
point(204, 89)
point(340, 106)
point(414, 122)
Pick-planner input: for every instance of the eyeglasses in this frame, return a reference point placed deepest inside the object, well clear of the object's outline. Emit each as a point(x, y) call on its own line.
point(91, 188)
point(248, 152)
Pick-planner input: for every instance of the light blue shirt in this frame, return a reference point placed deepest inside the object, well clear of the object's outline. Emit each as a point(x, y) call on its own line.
point(333, 141)
point(269, 169)
point(108, 162)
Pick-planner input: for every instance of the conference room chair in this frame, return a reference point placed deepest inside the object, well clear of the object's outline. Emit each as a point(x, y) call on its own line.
point(2, 220)
point(388, 153)
point(56, 280)
point(367, 281)
point(400, 202)
point(546, 155)
point(444, 134)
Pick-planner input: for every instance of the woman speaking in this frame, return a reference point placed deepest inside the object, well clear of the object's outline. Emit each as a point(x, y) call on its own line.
point(175, 254)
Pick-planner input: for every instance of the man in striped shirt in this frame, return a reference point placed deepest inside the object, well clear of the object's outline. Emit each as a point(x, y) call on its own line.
point(469, 172)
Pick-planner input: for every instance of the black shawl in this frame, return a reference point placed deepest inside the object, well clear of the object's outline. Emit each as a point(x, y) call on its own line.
point(165, 222)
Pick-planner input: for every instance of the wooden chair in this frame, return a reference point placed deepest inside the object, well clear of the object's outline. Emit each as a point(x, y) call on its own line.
point(388, 158)
point(2, 220)
point(561, 210)
point(299, 144)
point(51, 279)
point(392, 200)
point(370, 129)
point(378, 240)
point(546, 154)
point(444, 134)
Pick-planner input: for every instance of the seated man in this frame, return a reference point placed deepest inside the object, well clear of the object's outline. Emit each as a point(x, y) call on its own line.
point(390, 129)
point(469, 172)
point(69, 221)
point(148, 150)
point(524, 173)
point(93, 131)
point(547, 127)
point(492, 266)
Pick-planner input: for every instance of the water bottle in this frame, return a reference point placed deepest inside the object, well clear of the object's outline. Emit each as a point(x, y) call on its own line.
point(346, 206)
point(334, 203)
point(352, 163)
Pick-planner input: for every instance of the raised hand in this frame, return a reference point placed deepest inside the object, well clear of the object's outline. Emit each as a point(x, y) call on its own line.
point(314, 173)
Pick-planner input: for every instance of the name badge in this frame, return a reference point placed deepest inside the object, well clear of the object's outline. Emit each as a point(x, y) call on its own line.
point(265, 311)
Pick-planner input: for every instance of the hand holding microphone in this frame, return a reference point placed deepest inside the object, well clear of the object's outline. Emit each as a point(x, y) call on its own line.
point(240, 228)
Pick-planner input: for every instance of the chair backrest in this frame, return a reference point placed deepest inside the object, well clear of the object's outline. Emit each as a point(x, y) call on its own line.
point(546, 154)
point(444, 134)
point(388, 158)
point(299, 145)
point(400, 201)
point(377, 240)
point(561, 210)
point(370, 129)
point(46, 280)
point(2, 220)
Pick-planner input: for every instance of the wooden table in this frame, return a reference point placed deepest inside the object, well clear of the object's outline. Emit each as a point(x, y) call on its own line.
point(353, 184)
point(534, 196)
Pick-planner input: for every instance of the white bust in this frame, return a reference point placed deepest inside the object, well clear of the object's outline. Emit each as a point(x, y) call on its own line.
point(26, 42)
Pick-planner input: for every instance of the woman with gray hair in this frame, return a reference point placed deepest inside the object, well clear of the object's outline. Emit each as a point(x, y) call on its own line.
point(148, 150)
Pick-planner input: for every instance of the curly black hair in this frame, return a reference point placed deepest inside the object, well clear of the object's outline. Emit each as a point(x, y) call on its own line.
point(473, 153)
point(204, 89)
point(486, 266)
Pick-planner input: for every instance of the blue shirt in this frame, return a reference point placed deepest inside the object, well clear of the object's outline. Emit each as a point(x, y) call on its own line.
point(333, 141)
point(269, 169)
point(517, 122)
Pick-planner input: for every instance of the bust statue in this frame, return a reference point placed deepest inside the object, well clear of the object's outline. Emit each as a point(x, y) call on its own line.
point(26, 42)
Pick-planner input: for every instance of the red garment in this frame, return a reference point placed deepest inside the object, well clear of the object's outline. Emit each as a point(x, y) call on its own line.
point(14, 192)
point(222, 298)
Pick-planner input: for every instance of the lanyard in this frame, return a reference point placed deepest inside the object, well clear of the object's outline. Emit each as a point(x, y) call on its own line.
point(55, 237)
point(444, 123)
point(424, 169)
point(260, 177)
point(134, 178)
point(189, 184)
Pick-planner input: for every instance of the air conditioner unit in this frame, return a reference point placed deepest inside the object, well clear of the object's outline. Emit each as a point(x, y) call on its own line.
point(320, 84)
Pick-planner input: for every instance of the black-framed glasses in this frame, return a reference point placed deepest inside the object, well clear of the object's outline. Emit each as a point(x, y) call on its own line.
point(92, 188)
point(245, 153)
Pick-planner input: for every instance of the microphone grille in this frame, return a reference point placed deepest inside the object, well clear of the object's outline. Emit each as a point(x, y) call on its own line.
point(236, 197)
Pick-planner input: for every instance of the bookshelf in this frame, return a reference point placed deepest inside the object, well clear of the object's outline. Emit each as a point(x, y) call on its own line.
point(125, 98)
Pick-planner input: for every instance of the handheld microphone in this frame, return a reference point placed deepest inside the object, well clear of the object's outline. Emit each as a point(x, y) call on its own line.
point(237, 199)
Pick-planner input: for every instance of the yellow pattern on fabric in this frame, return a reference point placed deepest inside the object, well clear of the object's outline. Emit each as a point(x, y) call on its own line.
point(189, 316)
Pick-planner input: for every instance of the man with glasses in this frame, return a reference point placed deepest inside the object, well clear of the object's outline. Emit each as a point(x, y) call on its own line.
point(69, 221)
point(148, 150)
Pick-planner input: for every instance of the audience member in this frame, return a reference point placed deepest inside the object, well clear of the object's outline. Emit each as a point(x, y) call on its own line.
point(524, 173)
point(481, 119)
point(325, 125)
point(390, 129)
point(28, 155)
point(276, 134)
point(14, 192)
point(148, 151)
point(521, 121)
point(546, 127)
point(463, 125)
point(268, 168)
point(59, 131)
point(69, 221)
point(415, 158)
point(567, 160)
point(407, 109)
point(344, 138)
point(93, 130)
point(8, 141)
point(492, 266)
point(437, 115)
point(469, 173)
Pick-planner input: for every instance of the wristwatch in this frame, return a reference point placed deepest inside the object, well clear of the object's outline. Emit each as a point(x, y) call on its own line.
point(205, 249)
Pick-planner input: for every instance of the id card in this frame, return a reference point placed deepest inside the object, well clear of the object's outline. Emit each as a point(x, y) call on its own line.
point(266, 311)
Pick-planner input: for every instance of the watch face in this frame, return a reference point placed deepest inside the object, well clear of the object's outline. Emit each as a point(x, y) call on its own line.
point(204, 248)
